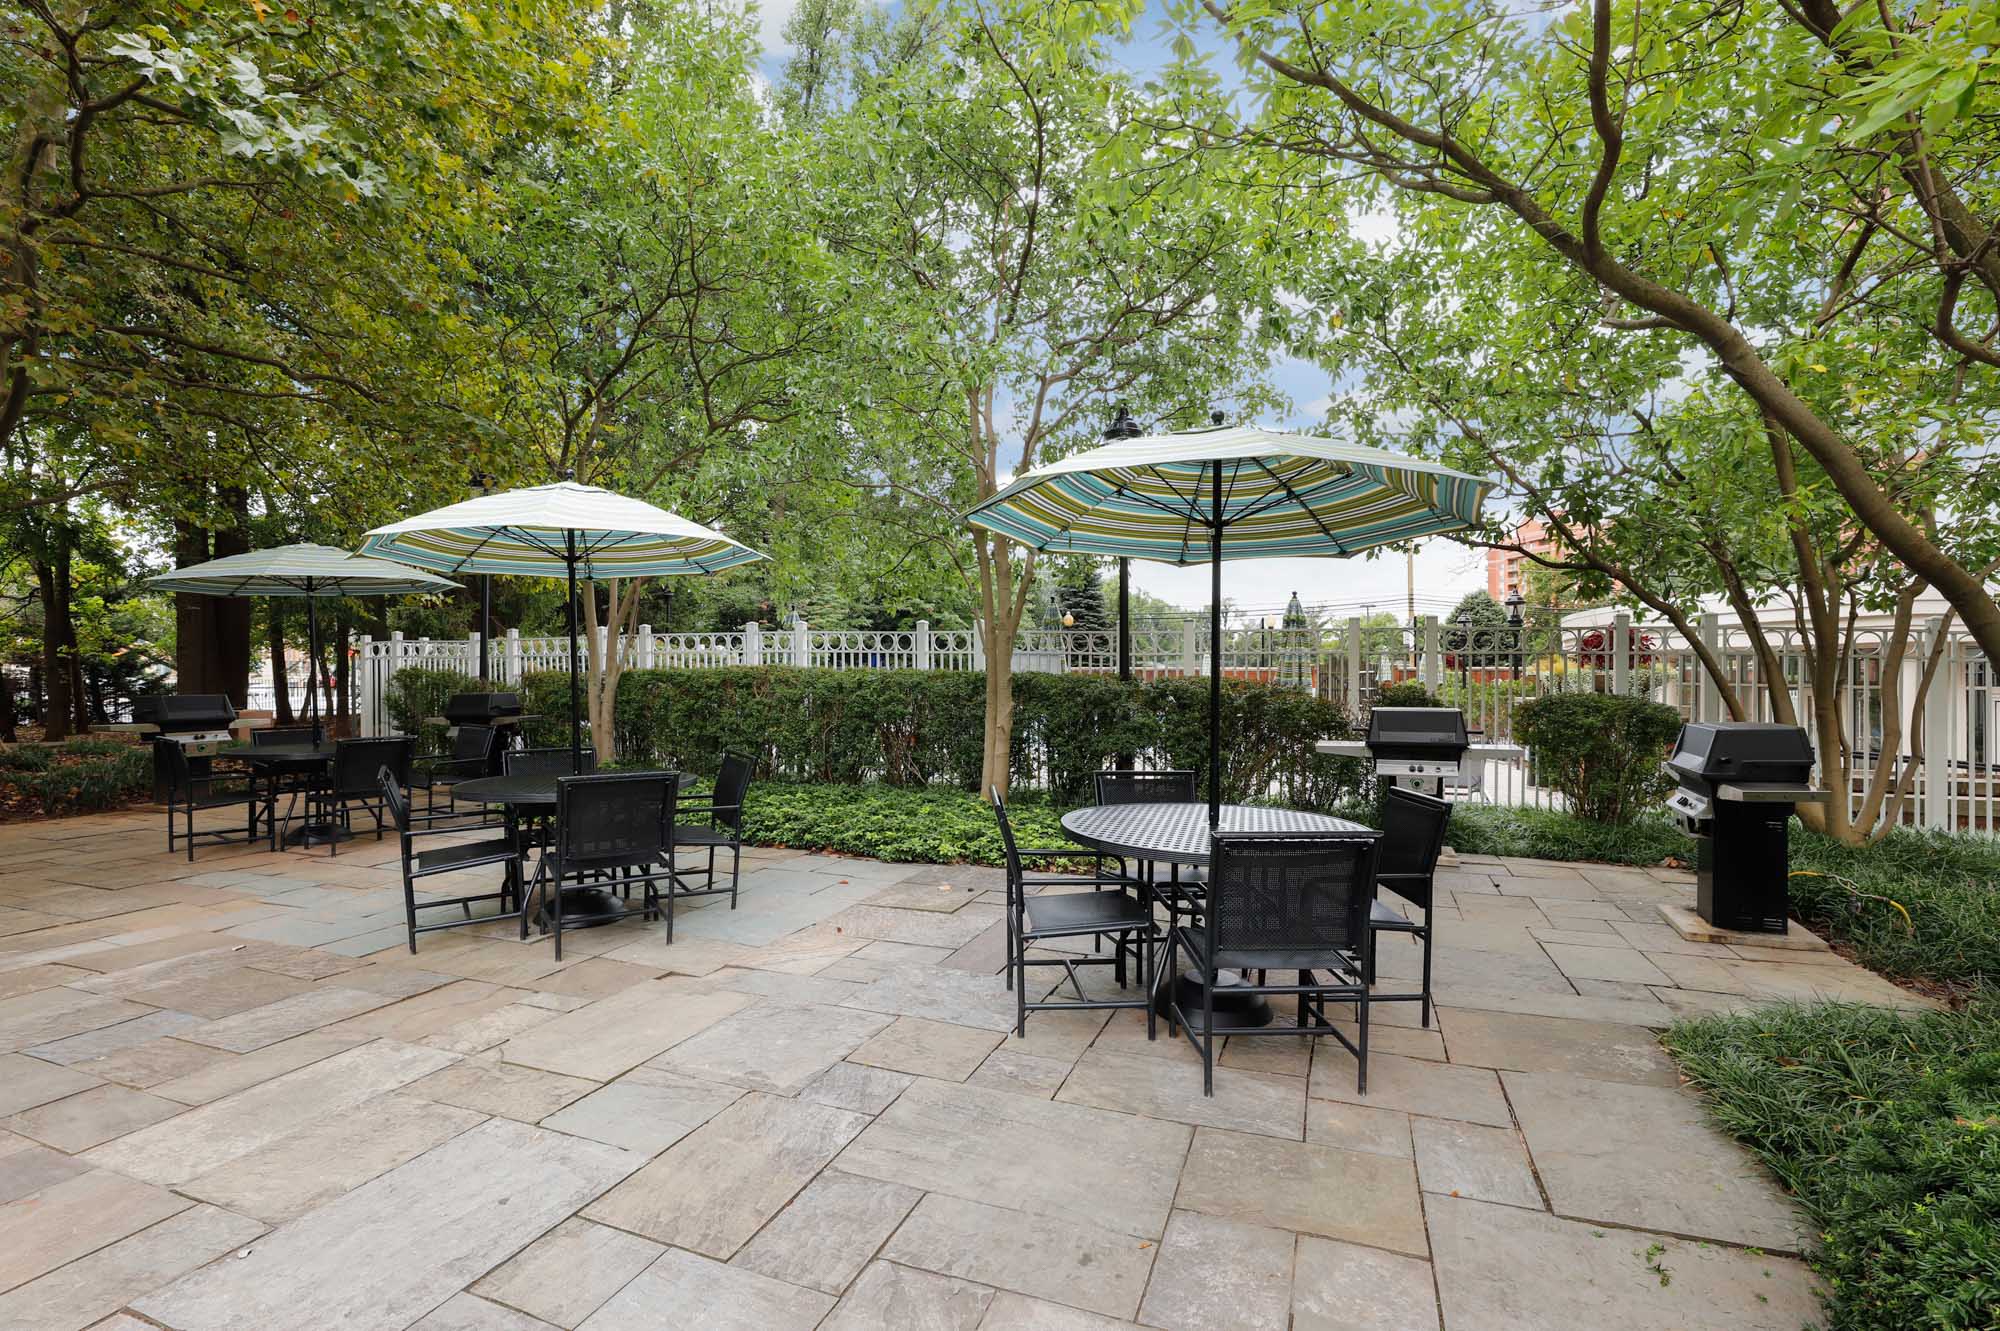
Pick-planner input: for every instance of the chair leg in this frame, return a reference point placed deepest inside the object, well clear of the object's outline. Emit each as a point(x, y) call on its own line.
point(735, 869)
point(1017, 961)
point(1361, 1059)
point(1146, 984)
point(410, 908)
point(556, 911)
point(1208, 1030)
point(1424, 1003)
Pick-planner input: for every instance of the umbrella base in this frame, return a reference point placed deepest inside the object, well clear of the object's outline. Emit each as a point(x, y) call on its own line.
point(317, 834)
point(1234, 1010)
point(579, 904)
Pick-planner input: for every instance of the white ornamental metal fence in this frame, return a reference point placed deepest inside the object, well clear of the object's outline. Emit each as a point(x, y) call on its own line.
point(1949, 755)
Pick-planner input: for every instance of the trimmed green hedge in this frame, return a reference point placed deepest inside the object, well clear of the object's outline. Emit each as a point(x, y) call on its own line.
point(921, 728)
point(1887, 1128)
point(416, 692)
point(1601, 750)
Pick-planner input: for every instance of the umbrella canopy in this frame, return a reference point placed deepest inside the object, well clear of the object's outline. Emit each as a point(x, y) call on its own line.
point(559, 530)
point(553, 529)
point(1202, 496)
point(311, 571)
point(1153, 497)
point(300, 570)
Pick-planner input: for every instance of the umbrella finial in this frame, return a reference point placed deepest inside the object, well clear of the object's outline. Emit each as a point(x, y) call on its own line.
point(1123, 426)
point(1215, 418)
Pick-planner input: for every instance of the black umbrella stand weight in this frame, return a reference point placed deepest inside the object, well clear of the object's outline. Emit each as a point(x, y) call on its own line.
point(1215, 647)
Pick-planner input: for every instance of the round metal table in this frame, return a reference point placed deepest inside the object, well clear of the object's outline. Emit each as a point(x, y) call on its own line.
point(1178, 834)
point(267, 764)
point(533, 795)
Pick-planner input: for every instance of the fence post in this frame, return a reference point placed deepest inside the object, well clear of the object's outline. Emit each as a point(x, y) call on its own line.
point(1191, 645)
point(1621, 651)
point(923, 644)
point(1353, 646)
point(1431, 669)
point(1946, 689)
point(1708, 698)
point(510, 658)
point(645, 647)
point(753, 644)
point(801, 642)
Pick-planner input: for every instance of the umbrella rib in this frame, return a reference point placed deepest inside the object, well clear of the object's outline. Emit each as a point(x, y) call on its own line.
point(1308, 509)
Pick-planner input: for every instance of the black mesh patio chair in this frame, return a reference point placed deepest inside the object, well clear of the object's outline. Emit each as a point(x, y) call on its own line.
point(1119, 909)
point(281, 783)
point(194, 786)
point(1280, 901)
point(717, 823)
point(471, 756)
point(611, 829)
point(352, 783)
point(1181, 891)
point(546, 762)
point(1413, 831)
point(444, 859)
point(274, 737)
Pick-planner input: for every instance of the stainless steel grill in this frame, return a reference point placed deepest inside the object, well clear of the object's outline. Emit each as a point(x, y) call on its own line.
point(1417, 741)
point(1739, 782)
point(199, 723)
point(482, 709)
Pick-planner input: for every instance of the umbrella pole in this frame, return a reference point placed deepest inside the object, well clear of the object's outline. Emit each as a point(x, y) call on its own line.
point(575, 702)
point(1215, 647)
point(312, 663)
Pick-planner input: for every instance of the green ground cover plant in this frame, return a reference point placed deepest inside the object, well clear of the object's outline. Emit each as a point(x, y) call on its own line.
point(1886, 1127)
point(82, 775)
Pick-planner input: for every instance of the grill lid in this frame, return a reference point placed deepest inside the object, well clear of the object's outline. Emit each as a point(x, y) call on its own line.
point(474, 708)
point(1417, 732)
point(174, 713)
point(1741, 752)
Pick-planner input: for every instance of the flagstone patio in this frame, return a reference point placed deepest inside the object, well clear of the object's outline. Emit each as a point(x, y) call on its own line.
point(231, 1098)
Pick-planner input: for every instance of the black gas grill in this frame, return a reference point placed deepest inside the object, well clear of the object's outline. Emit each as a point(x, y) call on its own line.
point(197, 722)
point(1425, 742)
point(482, 709)
point(1739, 782)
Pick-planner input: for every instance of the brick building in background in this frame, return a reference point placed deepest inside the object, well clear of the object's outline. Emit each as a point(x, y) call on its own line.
point(1507, 570)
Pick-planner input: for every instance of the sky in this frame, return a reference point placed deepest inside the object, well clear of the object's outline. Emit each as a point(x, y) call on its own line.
point(1444, 570)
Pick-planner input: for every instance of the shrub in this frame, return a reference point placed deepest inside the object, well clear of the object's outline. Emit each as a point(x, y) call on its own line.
point(1887, 1127)
point(416, 692)
point(78, 777)
point(1409, 693)
point(936, 825)
point(1601, 751)
point(919, 728)
point(26, 758)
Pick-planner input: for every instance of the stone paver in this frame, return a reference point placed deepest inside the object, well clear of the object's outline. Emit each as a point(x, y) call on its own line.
point(394, 1248)
point(1501, 1268)
point(830, 1231)
point(568, 1273)
point(1304, 1186)
point(1647, 1157)
point(1341, 1287)
point(813, 1109)
point(1213, 1272)
point(1051, 1259)
point(1068, 1162)
point(718, 1185)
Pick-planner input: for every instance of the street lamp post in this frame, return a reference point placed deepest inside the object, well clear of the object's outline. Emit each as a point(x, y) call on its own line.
point(1516, 623)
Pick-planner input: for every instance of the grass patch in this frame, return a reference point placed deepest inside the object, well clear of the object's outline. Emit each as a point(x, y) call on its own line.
point(1918, 906)
point(1887, 1128)
point(928, 824)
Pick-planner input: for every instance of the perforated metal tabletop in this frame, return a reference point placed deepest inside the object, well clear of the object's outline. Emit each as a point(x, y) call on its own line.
point(1178, 833)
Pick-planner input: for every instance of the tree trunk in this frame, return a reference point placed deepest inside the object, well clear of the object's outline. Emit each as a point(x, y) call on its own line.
point(58, 647)
point(192, 672)
point(8, 735)
point(230, 617)
point(274, 643)
point(343, 668)
point(1002, 596)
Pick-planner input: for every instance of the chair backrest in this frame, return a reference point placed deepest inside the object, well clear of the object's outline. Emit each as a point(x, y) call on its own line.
point(615, 818)
point(1009, 851)
point(1288, 892)
point(1413, 831)
point(275, 736)
point(1129, 787)
point(545, 762)
point(471, 741)
point(356, 762)
point(732, 784)
point(392, 799)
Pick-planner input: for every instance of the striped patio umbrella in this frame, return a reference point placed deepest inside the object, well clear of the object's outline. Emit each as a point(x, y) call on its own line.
point(1202, 496)
point(561, 529)
point(311, 571)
